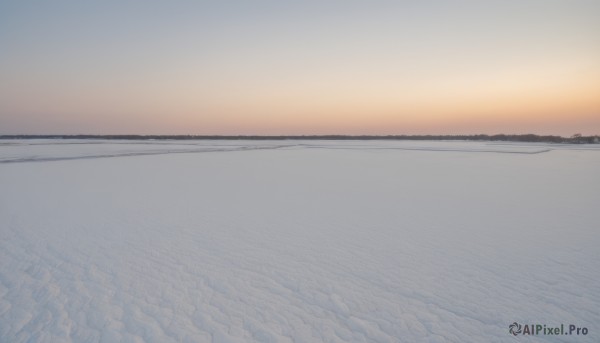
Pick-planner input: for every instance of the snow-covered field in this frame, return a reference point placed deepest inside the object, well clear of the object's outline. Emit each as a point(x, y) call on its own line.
point(297, 241)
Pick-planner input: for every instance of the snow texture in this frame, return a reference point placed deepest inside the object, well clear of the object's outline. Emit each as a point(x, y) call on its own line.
point(296, 241)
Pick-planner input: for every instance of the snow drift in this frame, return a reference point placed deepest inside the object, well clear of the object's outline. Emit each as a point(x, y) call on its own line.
point(291, 241)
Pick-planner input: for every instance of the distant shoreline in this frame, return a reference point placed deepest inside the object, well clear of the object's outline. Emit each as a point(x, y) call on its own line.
point(499, 137)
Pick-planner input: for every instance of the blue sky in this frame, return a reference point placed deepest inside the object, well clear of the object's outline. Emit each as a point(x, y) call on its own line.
point(273, 67)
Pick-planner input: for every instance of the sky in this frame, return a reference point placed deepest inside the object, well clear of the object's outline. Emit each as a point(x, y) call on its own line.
point(300, 67)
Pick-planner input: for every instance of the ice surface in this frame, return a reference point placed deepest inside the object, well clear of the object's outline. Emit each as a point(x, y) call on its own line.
point(296, 241)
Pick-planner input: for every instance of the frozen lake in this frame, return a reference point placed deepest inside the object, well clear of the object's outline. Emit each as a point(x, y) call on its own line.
point(297, 241)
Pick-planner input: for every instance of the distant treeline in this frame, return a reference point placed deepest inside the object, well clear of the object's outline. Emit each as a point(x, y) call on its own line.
point(577, 138)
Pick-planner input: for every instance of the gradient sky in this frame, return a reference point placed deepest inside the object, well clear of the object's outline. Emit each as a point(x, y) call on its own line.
point(300, 67)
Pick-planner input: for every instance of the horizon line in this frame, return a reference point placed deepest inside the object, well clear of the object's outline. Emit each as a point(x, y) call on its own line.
point(500, 136)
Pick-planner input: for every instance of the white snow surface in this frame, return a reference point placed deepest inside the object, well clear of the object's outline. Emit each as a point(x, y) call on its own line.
point(297, 241)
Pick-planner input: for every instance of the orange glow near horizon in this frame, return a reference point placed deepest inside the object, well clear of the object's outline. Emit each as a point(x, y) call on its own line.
point(463, 104)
